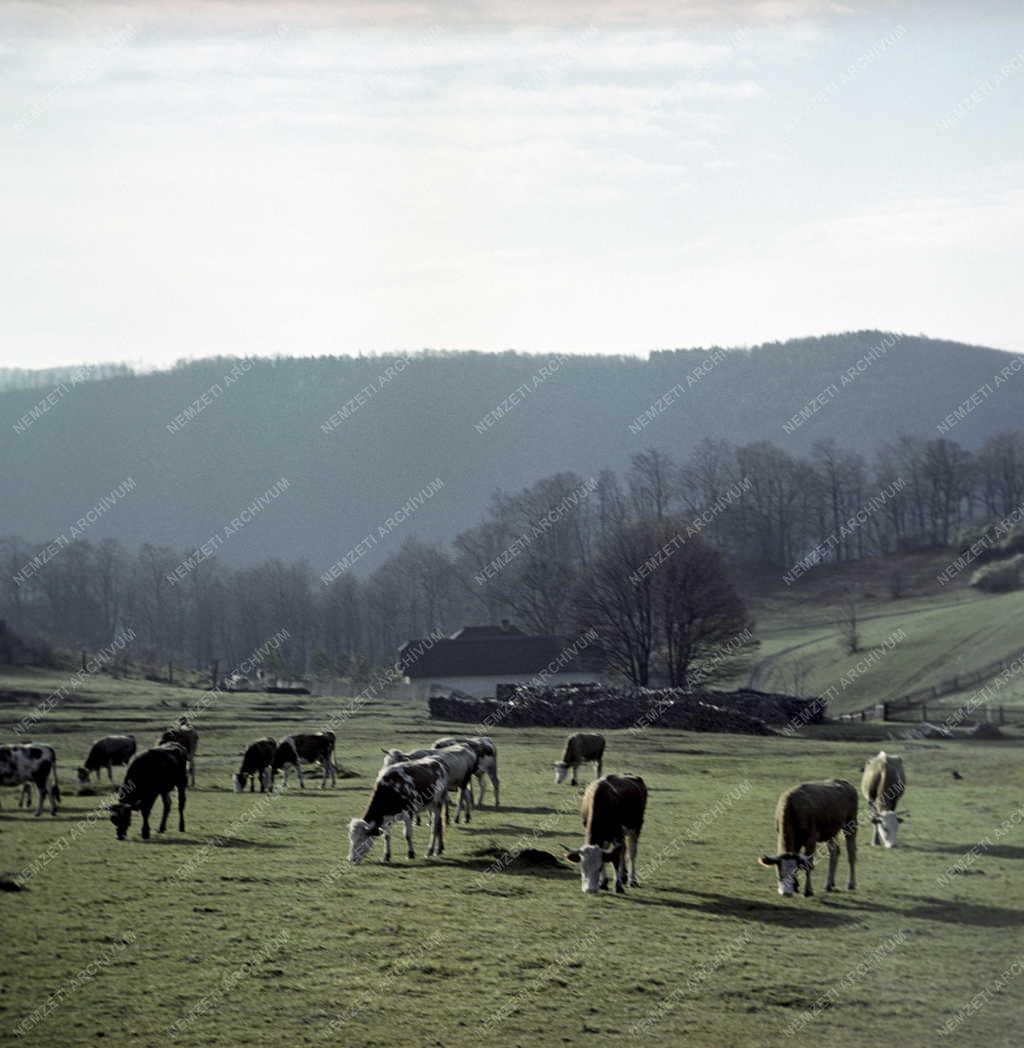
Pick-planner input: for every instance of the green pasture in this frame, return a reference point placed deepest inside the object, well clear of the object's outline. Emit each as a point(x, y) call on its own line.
point(251, 928)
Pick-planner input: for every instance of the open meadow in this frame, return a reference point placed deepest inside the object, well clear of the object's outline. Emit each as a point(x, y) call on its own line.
point(252, 928)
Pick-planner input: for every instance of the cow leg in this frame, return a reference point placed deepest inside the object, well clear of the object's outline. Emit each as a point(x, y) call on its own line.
point(144, 809)
point(600, 766)
point(192, 771)
point(166, 799)
point(851, 858)
point(110, 773)
point(410, 851)
point(572, 781)
point(497, 788)
point(387, 843)
point(482, 783)
point(833, 862)
point(334, 773)
point(634, 844)
point(41, 786)
point(808, 890)
point(302, 781)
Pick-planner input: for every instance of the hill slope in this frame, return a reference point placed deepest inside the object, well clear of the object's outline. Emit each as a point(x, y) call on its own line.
point(255, 422)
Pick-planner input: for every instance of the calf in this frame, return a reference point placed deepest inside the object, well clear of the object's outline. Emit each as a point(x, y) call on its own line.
point(106, 753)
point(258, 761)
point(188, 739)
point(460, 762)
point(295, 749)
point(152, 774)
point(401, 791)
point(883, 783)
point(613, 816)
point(28, 763)
point(807, 815)
point(487, 763)
point(582, 748)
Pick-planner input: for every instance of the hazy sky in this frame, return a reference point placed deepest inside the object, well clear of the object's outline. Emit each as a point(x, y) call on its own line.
point(182, 179)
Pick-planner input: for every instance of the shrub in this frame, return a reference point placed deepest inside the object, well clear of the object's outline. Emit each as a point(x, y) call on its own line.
point(999, 577)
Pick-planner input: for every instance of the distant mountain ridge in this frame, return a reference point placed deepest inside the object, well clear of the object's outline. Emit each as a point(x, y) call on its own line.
point(357, 438)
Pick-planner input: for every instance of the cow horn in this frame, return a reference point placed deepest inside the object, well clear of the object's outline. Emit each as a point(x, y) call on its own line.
point(564, 847)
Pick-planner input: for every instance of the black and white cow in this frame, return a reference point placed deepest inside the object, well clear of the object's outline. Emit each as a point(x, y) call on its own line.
point(613, 815)
point(188, 738)
point(460, 762)
point(400, 792)
point(487, 752)
point(108, 752)
point(584, 747)
point(293, 750)
point(258, 762)
point(152, 774)
point(28, 764)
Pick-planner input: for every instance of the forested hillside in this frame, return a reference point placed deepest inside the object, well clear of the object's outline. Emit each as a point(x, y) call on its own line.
point(356, 442)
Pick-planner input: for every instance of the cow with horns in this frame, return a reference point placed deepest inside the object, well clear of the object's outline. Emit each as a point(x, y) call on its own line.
point(401, 791)
point(883, 784)
point(613, 815)
point(806, 816)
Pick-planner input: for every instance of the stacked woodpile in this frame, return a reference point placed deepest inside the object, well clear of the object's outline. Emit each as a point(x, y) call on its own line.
point(601, 706)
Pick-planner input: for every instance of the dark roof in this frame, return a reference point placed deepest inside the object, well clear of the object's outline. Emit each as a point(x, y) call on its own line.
point(488, 651)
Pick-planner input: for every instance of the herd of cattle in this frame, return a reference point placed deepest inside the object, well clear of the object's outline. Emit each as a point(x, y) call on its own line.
point(419, 783)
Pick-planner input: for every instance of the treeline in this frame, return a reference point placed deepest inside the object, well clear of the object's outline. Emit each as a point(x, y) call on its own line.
point(538, 556)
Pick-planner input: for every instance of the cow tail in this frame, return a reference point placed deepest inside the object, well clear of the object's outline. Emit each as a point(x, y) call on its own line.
point(56, 785)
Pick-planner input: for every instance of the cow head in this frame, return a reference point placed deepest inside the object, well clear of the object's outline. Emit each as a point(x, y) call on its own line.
point(360, 839)
point(121, 817)
point(788, 866)
point(888, 823)
point(561, 769)
point(83, 775)
point(592, 859)
point(239, 782)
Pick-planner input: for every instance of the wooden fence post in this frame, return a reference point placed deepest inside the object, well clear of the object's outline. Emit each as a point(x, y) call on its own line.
point(885, 711)
point(170, 671)
point(924, 712)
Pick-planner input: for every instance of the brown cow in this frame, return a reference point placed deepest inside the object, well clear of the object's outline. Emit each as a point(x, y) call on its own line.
point(806, 816)
point(883, 784)
point(613, 815)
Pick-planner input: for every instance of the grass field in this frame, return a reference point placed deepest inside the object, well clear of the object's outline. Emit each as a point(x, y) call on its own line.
point(251, 927)
point(927, 637)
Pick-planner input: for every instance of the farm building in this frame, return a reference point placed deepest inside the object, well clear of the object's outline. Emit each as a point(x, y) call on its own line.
point(479, 658)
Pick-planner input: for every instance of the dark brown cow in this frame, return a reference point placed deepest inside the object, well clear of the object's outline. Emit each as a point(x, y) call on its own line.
point(108, 752)
point(152, 774)
point(257, 762)
point(613, 815)
point(401, 790)
point(806, 816)
point(582, 748)
point(293, 750)
point(188, 738)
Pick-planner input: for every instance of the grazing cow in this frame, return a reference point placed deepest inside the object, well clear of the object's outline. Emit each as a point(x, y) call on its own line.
point(883, 783)
point(401, 791)
point(28, 763)
point(460, 763)
point(106, 753)
point(188, 738)
point(806, 816)
point(613, 815)
point(581, 748)
point(295, 749)
point(258, 761)
point(487, 764)
point(152, 774)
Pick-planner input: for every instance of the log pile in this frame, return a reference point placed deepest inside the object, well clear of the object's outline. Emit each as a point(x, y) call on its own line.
point(602, 706)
